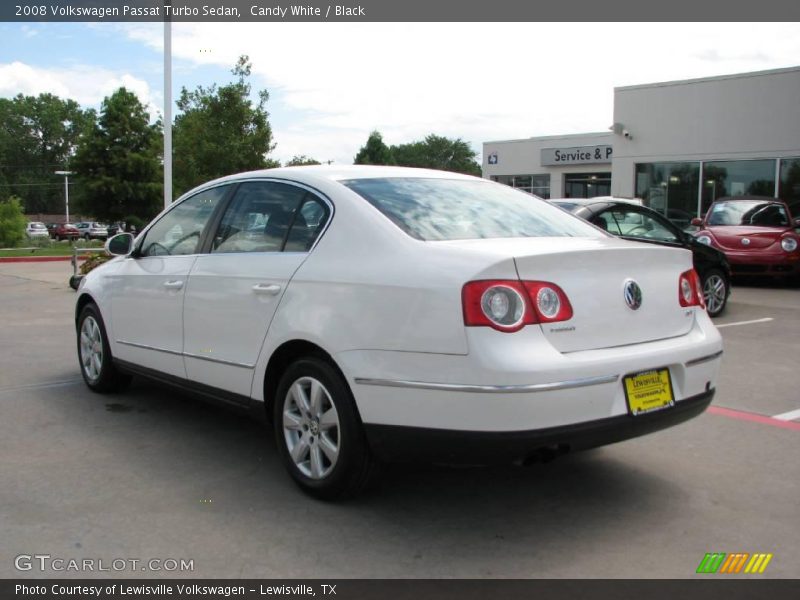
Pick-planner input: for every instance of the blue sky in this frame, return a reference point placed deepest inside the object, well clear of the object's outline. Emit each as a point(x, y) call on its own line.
point(331, 84)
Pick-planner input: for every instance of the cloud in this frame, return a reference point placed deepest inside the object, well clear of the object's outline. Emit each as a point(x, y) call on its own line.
point(477, 81)
point(333, 83)
point(85, 84)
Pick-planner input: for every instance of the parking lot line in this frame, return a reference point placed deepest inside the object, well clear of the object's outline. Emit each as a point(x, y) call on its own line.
point(753, 417)
point(764, 320)
point(40, 386)
point(788, 416)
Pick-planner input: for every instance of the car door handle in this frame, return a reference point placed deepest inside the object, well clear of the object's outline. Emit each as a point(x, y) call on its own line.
point(267, 288)
point(175, 284)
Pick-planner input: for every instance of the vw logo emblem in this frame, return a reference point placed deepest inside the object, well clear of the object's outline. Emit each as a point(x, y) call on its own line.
point(632, 294)
point(745, 241)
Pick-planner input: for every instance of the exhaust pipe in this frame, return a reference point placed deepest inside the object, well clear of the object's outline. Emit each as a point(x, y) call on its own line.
point(545, 454)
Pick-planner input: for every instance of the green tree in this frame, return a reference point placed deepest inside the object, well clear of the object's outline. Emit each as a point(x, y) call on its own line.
point(12, 222)
point(39, 135)
point(299, 161)
point(437, 152)
point(220, 131)
point(374, 152)
point(118, 163)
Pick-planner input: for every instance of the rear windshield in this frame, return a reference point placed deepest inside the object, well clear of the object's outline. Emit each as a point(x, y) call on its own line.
point(457, 209)
point(748, 212)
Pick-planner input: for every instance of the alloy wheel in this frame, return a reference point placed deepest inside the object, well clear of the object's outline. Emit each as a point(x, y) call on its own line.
point(311, 428)
point(91, 340)
point(714, 293)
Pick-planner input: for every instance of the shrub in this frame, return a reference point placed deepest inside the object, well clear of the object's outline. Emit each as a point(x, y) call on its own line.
point(12, 223)
point(93, 261)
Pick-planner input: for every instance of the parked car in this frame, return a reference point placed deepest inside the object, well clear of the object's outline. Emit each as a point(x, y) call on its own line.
point(36, 229)
point(758, 235)
point(91, 230)
point(115, 228)
point(51, 227)
point(388, 313)
point(66, 231)
point(643, 224)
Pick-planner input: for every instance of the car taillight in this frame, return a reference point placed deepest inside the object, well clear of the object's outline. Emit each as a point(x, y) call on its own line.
point(508, 305)
point(690, 291)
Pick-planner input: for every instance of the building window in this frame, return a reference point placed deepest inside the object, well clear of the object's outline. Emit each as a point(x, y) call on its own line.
point(533, 184)
point(669, 188)
point(737, 178)
point(587, 185)
point(789, 187)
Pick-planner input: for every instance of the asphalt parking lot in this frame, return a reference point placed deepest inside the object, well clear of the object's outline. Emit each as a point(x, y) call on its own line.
point(154, 474)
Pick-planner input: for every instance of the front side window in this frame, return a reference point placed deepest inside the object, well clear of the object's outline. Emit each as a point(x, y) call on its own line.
point(179, 231)
point(268, 216)
point(457, 209)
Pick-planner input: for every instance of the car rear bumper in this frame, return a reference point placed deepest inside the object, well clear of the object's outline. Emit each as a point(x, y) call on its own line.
point(520, 382)
point(396, 443)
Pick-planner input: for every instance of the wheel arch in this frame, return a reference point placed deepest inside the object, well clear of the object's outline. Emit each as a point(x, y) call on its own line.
point(83, 300)
point(283, 356)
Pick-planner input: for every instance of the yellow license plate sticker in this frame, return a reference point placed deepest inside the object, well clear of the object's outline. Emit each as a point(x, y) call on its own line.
point(649, 391)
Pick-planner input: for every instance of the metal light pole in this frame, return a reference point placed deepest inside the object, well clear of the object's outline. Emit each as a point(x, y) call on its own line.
point(66, 175)
point(167, 112)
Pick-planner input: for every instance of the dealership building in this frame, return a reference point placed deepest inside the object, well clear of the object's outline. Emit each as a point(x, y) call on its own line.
point(677, 145)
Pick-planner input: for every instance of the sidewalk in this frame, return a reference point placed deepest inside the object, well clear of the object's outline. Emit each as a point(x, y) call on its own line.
point(48, 272)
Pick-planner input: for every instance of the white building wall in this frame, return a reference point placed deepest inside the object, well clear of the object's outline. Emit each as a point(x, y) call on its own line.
point(523, 157)
point(744, 116)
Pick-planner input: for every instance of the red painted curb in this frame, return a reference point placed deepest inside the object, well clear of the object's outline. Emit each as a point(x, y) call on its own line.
point(33, 259)
point(742, 415)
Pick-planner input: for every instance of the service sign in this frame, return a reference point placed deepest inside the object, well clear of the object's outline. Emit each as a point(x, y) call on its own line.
point(581, 155)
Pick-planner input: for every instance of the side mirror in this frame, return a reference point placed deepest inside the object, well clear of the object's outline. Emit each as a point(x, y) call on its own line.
point(119, 245)
point(797, 223)
point(697, 222)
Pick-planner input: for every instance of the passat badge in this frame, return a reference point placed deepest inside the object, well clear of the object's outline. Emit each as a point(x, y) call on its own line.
point(633, 294)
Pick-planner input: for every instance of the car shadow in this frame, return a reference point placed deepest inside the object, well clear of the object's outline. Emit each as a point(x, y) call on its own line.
point(178, 445)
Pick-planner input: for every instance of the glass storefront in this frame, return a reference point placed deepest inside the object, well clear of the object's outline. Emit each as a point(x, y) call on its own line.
point(737, 178)
point(672, 188)
point(789, 186)
point(587, 185)
point(669, 188)
point(533, 184)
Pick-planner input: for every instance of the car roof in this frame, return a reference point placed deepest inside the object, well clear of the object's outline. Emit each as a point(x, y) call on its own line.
point(310, 173)
point(596, 200)
point(750, 199)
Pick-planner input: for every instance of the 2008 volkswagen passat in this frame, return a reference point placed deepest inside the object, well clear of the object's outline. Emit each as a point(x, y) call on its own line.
point(382, 313)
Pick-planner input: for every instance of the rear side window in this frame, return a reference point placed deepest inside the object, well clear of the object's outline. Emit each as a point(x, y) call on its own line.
point(457, 209)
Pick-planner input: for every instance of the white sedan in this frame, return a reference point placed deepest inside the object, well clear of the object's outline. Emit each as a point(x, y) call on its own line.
point(35, 229)
point(388, 313)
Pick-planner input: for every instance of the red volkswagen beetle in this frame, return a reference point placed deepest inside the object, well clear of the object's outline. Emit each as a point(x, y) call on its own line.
point(757, 234)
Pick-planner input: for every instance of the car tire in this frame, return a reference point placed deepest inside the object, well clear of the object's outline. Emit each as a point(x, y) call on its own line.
point(715, 292)
point(319, 433)
point(94, 354)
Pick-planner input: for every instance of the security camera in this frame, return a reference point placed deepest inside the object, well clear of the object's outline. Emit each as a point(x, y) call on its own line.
point(627, 134)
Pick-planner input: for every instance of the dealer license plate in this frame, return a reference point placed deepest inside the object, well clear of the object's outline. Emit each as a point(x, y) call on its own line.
point(648, 391)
